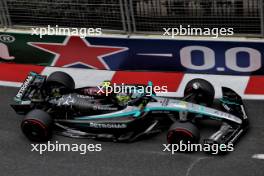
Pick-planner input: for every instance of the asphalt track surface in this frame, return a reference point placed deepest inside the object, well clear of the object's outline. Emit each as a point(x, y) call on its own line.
point(117, 159)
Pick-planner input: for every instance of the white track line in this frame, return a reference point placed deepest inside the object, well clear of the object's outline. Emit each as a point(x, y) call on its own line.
point(90, 77)
point(83, 77)
point(188, 172)
point(10, 84)
point(258, 156)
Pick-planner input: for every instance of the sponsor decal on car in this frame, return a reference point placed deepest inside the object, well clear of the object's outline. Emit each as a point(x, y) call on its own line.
point(113, 125)
point(24, 87)
point(104, 107)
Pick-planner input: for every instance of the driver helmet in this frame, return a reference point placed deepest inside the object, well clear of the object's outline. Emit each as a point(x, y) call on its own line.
point(123, 98)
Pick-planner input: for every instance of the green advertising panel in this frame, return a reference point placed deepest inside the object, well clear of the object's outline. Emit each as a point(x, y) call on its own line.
point(16, 47)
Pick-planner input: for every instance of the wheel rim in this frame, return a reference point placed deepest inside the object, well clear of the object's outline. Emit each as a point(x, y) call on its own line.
point(34, 130)
point(178, 135)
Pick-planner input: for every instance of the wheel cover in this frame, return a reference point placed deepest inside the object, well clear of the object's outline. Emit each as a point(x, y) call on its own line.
point(177, 135)
point(34, 130)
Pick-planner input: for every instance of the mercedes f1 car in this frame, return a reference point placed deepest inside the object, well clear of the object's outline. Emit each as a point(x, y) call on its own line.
point(53, 104)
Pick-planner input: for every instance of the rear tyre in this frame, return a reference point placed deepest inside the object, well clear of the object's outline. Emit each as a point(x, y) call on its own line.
point(37, 126)
point(183, 132)
point(199, 91)
point(60, 83)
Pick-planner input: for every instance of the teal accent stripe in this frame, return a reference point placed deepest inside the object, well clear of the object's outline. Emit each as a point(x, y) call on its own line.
point(201, 111)
point(228, 102)
point(135, 113)
point(161, 109)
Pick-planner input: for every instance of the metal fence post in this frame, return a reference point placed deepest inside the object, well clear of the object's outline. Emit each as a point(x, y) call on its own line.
point(132, 16)
point(2, 15)
point(262, 17)
point(6, 13)
point(123, 15)
point(127, 12)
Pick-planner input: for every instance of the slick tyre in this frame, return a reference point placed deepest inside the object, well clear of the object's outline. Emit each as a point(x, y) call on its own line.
point(37, 126)
point(183, 132)
point(60, 83)
point(199, 91)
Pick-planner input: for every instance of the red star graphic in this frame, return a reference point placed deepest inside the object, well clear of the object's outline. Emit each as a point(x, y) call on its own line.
point(75, 50)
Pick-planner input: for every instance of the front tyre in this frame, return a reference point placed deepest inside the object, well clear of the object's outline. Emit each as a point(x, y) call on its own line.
point(37, 126)
point(183, 132)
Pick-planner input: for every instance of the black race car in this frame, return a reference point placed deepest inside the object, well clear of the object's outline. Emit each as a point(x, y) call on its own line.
point(53, 104)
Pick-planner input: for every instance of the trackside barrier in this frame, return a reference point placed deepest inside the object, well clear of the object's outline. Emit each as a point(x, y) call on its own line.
point(229, 57)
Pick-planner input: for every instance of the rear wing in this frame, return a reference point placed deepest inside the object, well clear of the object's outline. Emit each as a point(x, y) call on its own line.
point(33, 82)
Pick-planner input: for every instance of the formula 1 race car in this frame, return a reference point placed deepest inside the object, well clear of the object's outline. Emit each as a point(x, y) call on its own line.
point(53, 104)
